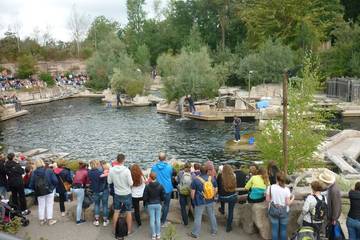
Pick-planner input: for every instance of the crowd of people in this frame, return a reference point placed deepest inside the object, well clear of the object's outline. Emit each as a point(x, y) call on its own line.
point(75, 80)
point(199, 187)
point(7, 84)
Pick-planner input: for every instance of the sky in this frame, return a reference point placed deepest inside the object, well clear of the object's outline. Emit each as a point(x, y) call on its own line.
point(53, 15)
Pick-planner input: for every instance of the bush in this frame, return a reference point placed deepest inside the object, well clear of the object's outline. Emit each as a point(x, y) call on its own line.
point(26, 66)
point(46, 77)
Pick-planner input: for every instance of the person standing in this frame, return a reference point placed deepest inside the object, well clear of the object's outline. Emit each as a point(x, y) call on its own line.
point(272, 171)
point(80, 181)
point(313, 211)
point(192, 108)
point(3, 179)
point(153, 196)
point(64, 183)
point(353, 219)
point(227, 183)
point(236, 125)
point(120, 176)
point(203, 192)
point(279, 197)
point(333, 197)
point(137, 190)
point(43, 181)
point(14, 174)
point(164, 174)
point(184, 179)
point(98, 186)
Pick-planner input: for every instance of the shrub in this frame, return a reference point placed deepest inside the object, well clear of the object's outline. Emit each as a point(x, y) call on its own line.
point(26, 66)
point(46, 77)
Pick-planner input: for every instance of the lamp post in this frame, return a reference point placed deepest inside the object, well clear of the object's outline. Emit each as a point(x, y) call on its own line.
point(285, 120)
point(249, 87)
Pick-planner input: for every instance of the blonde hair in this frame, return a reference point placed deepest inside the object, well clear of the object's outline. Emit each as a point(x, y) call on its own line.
point(106, 166)
point(39, 163)
point(94, 164)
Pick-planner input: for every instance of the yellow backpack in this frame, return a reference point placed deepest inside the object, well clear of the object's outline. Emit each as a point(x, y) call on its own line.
point(208, 188)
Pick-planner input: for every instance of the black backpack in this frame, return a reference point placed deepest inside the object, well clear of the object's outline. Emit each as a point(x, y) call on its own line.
point(42, 187)
point(321, 210)
point(121, 228)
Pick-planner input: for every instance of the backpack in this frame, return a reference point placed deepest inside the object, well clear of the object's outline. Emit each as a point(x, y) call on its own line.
point(121, 229)
point(185, 183)
point(42, 187)
point(208, 188)
point(304, 233)
point(88, 199)
point(320, 211)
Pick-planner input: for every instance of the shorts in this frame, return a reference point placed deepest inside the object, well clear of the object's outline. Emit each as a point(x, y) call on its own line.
point(123, 202)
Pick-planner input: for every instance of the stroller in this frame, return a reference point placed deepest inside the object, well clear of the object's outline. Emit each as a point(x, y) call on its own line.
point(8, 213)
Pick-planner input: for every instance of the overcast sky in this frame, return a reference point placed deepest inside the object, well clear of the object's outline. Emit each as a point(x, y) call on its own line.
point(54, 14)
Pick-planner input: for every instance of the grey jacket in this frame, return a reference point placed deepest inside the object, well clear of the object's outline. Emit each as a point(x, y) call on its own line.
point(334, 202)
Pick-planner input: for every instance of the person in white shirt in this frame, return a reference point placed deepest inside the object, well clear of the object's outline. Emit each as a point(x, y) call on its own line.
point(137, 190)
point(279, 196)
point(120, 176)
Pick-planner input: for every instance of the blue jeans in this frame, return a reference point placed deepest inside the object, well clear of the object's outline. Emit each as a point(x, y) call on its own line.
point(154, 213)
point(184, 202)
point(231, 200)
point(3, 192)
point(237, 134)
point(278, 228)
point(123, 202)
point(198, 217)
point(353, 226)
point(80, 193)
point(101, 198)
point(165, 207)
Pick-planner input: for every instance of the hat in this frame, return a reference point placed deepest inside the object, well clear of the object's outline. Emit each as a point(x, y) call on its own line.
point(327, 177)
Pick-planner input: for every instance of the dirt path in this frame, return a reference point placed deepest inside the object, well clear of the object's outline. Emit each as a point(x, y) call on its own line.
point(66, 229)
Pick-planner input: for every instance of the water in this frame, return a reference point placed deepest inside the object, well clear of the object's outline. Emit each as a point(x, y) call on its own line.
point(88, 130)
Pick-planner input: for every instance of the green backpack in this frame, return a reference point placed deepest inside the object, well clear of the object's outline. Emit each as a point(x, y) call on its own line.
point(305, 233)
point(185, 184)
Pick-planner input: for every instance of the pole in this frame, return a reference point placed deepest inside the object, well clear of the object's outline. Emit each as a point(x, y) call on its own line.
point(285, 121)
point(249, 84)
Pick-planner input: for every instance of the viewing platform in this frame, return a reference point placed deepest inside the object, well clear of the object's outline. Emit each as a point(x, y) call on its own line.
point(8, 111)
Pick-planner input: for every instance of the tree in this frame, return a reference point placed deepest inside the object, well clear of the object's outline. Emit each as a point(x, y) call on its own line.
point(101, 65)
point(16, 29)
point(287, 20)
point(303, 119)
point(26, 66)
point(352, 10)
point(46, 77)
point(100, 29)
point(78, 25)
point(266, 64)
point(142, 57)
point(127, 78)
point(188, 73)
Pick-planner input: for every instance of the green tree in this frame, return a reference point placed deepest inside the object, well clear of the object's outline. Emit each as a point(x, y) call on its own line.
point(46, 77)
point(188, 73)
point(142, 57)
point(266, 64)
point(99, 30)
point(127, 78)
point(101, 65)
point(352, 10)
point(26, 66)
point(304, 135)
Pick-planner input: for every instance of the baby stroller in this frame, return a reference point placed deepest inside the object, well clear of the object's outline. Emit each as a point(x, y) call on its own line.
point(8, 213)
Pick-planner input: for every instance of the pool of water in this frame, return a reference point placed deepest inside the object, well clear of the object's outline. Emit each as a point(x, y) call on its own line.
point(88, 130)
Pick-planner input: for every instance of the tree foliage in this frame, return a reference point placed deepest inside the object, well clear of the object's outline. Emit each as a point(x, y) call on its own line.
point(304, 120)
point(99, 31)
point(267, 64)
point(188, 73)
point(47, 78)
point(26, 66)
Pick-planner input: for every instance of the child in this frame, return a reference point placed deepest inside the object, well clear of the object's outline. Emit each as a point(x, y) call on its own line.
point(106, 169)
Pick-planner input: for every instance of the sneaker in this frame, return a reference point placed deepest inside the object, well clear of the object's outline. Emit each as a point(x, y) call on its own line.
point(80, 222)
point(221, 210)
point(192, 235)
point(106, 223)
point(166, 224)
point(63, 214)
point(42, 222)
point(213, 234)
point(26, 212)
point(96, 223)
point(158, 237)
point(52, 222)
point(153, 238)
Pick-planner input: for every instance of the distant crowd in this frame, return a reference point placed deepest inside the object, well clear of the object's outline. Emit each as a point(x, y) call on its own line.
point(198, 188)
point(11, 83)
point(71, 79)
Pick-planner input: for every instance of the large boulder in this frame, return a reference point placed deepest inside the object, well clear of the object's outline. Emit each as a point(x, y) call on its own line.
point(261, 219)
point(243, 218)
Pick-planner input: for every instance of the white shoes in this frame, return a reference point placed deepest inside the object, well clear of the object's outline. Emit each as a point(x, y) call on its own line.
point(96, 223)
point(63, 214)
point(106, 223)
point(52, 222)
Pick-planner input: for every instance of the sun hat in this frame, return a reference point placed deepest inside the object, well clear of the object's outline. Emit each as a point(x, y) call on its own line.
point(327, 177)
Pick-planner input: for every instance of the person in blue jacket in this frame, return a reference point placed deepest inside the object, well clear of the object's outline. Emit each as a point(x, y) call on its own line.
point(164, 173)
point(98, 185)
point(43, 181)
point(63, 175)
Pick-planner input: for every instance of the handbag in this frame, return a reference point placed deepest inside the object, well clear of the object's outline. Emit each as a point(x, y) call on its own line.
point(276, 210)
point(66, 184)
point(334, 232)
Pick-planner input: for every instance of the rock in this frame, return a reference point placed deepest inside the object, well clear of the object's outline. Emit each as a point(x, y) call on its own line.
point(30, 201)
point(261, 219)
point(295, 211)
point(242, 214)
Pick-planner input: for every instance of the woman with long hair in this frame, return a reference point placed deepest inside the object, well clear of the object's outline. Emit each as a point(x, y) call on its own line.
point(64, 177)
point(137, 190)
point(272, 171)
point(80, 181)
point(257, 186)
point(279, 197)
point(227, 194)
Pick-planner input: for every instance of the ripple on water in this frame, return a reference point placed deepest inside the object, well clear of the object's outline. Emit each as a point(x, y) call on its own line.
point(88, 130)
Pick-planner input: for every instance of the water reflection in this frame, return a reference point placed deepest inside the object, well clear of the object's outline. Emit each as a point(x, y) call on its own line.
point(88, 130)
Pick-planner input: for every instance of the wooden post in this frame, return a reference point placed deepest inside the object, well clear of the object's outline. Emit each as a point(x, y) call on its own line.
point(285, 121)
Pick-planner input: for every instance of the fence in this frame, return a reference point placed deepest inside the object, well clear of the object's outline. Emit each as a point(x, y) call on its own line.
point(346, 89)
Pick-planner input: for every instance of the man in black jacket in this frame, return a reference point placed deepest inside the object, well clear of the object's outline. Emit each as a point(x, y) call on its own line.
point(14, 174)
point(3, 179)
